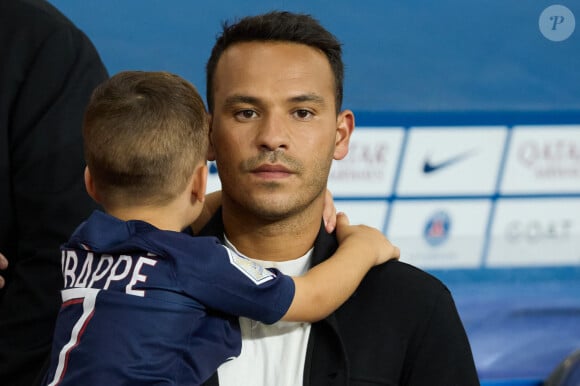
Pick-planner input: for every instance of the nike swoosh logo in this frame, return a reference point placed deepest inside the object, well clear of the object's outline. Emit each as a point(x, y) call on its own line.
point(430, 167)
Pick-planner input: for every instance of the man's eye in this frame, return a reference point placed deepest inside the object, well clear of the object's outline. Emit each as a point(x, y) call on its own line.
point(303, 114)
point(246, 114)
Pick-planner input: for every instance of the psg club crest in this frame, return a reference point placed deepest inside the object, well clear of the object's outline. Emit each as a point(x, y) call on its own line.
point(437, 228)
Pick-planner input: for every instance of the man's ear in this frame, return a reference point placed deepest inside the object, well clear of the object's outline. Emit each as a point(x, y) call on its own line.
point(199, 182)
point(90, 186)
point(210, 151)
point(344, 129)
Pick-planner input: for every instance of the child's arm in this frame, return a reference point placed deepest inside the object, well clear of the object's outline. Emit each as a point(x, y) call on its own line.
point(326, 286)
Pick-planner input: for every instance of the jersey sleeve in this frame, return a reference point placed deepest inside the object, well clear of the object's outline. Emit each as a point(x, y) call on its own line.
point(220, 279)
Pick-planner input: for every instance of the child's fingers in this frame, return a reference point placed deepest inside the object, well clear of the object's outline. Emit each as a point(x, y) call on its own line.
point(329, 212)
point(3, 265)
point(396, 252)
point(342, 226)
point(329, 222)
point(3, 261)
point(342, 219)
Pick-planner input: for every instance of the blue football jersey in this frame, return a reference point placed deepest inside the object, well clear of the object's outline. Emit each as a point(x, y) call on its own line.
point(142, 306)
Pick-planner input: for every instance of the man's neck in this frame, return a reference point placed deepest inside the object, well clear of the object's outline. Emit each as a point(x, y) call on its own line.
point(272, 240)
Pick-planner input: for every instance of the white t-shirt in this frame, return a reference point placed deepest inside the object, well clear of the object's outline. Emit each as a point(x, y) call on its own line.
point(271, 354)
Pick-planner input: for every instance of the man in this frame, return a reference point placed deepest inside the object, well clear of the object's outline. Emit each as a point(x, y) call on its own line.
point(274, 90)
point(48, 69)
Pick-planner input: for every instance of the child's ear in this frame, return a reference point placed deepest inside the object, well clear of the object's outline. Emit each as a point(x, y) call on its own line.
point(199, 182)
point(90, 186)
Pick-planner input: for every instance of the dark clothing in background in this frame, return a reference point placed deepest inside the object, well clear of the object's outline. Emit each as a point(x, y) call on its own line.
point(48, 69)
point(401, 327)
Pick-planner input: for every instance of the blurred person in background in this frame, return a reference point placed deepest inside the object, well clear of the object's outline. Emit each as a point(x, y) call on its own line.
point(48, 69)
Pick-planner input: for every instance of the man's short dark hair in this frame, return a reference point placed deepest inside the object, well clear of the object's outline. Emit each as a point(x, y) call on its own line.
point(283, 27)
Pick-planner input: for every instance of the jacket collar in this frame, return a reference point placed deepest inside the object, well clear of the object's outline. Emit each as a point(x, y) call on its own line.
point(325, 244)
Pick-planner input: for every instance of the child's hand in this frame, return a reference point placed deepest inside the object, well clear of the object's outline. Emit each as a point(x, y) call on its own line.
point(329, 212)
point(3, 265)
point(370, 240)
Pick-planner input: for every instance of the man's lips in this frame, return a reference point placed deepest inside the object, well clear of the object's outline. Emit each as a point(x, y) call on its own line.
point(272, 171)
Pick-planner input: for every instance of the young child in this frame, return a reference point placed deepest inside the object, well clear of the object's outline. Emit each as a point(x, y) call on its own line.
point(145, 303)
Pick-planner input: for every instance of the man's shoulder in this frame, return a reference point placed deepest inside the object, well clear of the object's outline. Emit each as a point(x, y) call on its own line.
point(397, 282)
point(393, 276)
point(396, 301)
point(399, 273)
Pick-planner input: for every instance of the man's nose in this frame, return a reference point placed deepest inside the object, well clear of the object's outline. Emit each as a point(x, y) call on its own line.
point(273, 133)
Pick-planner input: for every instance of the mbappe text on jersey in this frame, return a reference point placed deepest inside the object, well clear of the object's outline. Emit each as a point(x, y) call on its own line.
point(79, 273)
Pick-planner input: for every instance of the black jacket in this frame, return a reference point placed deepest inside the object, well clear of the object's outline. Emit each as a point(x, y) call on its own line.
point(48, 69)
point(400, 327)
